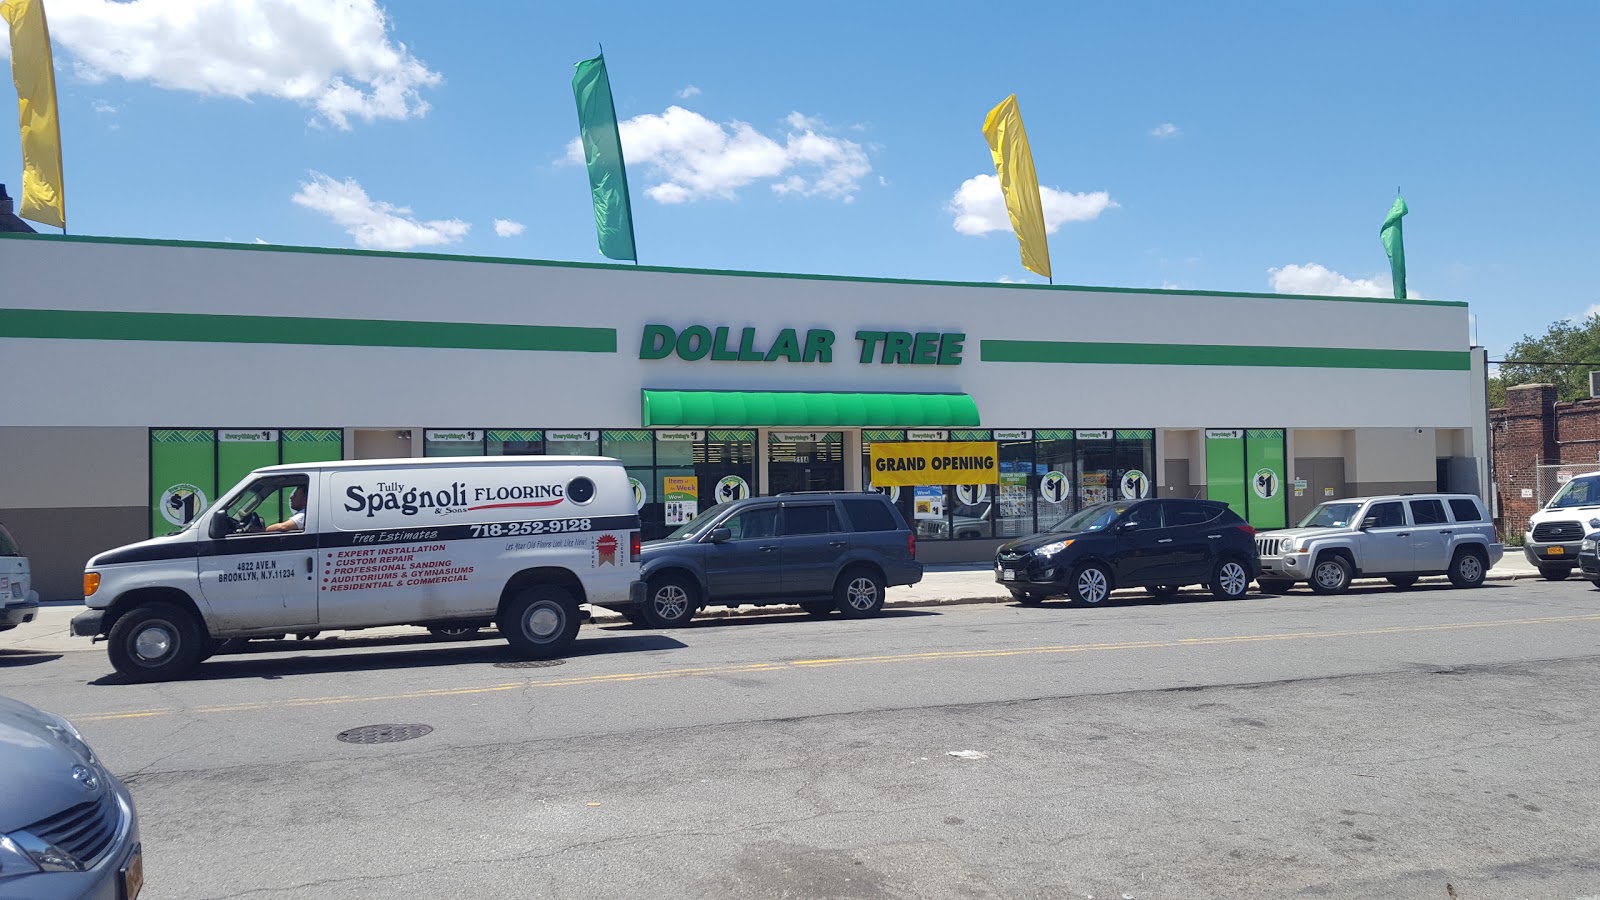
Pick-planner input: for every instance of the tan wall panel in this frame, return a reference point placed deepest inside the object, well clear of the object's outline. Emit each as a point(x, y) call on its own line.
point(66, 467)
point(58, 542)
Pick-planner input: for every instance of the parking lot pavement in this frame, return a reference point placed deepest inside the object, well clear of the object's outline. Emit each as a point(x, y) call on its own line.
point(51, 631)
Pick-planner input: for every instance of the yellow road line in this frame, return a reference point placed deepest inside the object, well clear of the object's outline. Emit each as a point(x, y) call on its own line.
point(799, 664)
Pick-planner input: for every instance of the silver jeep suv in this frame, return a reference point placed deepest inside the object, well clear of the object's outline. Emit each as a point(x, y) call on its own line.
point(1398, 537)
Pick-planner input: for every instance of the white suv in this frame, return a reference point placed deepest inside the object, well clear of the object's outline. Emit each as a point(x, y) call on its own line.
point(19, 603)
point(1554, 533)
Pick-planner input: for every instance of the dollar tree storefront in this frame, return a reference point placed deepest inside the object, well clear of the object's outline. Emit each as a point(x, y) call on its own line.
point(150, 376)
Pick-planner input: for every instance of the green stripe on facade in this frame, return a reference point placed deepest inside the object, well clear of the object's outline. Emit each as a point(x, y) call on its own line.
point(804, 409)
point(1052, 434)
point(628, 436)
point(970, 435)
point(312, 435)
point(883, 435)
point(204, 328)
point(1135, 434)
point(1221, 355)
point(181, 436)
point(748, 436)
point(1264, 434)
point(523, 435)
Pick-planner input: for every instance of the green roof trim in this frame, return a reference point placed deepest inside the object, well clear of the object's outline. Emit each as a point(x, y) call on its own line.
point(566, 264)
point(100, 325)
point(1221, 355)
point(804, 409)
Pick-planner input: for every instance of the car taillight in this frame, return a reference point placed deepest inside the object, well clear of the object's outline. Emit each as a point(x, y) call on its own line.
point(634, 546)
point(1249, 530)
point(911, 543)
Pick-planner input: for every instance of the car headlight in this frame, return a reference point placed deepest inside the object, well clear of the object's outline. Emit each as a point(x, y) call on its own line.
point(1588, 544)
point(1051, 549)
point(13, 861)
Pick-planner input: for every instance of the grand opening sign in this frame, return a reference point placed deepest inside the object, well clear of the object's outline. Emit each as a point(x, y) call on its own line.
point(935, 462)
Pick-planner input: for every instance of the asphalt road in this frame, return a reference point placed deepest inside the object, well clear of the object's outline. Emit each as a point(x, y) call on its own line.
point(1432, 743)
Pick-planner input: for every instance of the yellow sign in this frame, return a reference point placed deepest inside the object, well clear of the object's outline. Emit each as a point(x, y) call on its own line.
point(935, 462)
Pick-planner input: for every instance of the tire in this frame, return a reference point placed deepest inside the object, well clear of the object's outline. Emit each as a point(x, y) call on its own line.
point(1230, 580)
point(1331, 575)
point(1028, 598)
point(671, 602)
point(1467, 569)
point(1402, 582)
point(1090, 585)
point(818, 608)
point(454, 632)
point(209, 648)
point(156, 642)
point(1162, 591)
point(540, 622)
point(1595, 582)
point(635, 615)
point(1274, 585)
point(859, 593)
point(1549, 573)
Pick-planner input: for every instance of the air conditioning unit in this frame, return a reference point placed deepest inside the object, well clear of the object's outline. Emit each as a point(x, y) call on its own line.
point(1594, 385)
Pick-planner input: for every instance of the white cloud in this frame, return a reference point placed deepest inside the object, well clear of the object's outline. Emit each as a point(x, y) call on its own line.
point(1008, 280)
point(374, 224)
point(687, 157)
point(1315, 278)
point(1166, 130)
point(103, 108)
point(689, 91)
point(508, 228)
point(334, 57)
point(979, 207)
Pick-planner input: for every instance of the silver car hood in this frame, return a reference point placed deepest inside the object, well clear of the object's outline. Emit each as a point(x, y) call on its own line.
point(37, 758)
point(1305, 532)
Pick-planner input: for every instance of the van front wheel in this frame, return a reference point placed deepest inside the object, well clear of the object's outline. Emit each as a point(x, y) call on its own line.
point(155, 642)
point(540, 622)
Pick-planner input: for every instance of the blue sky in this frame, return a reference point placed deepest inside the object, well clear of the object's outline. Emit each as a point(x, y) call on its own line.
point(1235, 146)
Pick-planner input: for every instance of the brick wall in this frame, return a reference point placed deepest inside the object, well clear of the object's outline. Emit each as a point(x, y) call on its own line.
point(1531, 430)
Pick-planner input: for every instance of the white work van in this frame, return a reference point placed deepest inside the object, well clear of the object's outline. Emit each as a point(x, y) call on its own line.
point(447, 544)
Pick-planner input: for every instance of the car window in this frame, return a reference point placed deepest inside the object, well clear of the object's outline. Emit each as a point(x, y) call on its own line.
point(1142, 517)
point(1581, 491)
point(1188, 514)
point(756, 522)
point(870, 515)
point(810, 518)
point(1466, 510)
point(1427, 512)
point(1330, 515)
point(1387, 515)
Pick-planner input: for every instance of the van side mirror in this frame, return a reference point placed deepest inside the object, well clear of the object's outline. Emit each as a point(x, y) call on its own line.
point(221, 526)
point(719, 535)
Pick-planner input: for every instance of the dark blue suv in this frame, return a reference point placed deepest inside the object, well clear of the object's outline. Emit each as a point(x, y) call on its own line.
point(823, 551)
point(1159, 545)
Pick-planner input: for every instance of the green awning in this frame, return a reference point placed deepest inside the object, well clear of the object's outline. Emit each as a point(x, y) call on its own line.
point(664, 409)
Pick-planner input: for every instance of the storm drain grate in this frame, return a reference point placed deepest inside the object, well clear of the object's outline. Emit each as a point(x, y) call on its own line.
point(530, 664)
point(383, 734)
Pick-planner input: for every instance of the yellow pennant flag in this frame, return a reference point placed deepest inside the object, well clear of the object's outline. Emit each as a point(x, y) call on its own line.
point(35, 74)
point(1013, 162)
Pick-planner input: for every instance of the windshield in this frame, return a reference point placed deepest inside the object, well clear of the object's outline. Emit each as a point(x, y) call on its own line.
point(1581, 491)
point(693, 527)
point(1331, 515)
point(1093, 518)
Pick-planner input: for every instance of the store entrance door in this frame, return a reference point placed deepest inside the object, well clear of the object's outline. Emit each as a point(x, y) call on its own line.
point(805, 461)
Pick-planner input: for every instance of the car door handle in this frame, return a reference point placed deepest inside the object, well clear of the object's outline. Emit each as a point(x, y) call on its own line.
point(768, 548)
point(1404, 534)
point(1164, 541)
point(838, 543)
point(1214, 536)
point(311, 566)
point(1446, 531)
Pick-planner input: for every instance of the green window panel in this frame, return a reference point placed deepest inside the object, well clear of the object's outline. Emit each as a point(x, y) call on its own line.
point(1225, 479)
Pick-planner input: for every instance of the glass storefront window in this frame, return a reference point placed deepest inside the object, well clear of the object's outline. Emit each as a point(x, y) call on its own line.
point(805, 461)
point(1135, 464)
point(571, 442)
point(1096, 465)
point(726, 465)
point(452, 442)
point(515, 442)
point(1018, 486)
point(1055, 468)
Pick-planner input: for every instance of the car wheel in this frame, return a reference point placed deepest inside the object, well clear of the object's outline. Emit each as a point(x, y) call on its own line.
point(541, 621)
point(453, 632)
point(671, 602)
point(859, 593)
point(1091, 584)
point(1467, 569)
point(156, 642)
point(1274, 585)
point(1554, 573)
point(1595, 582)
point(1230, 581)
point(1402, 581)
point(1162, 591)
point(1028, 598)
point(818, 608)
point(635, 615)
point(210, 647)
point(1331, 575)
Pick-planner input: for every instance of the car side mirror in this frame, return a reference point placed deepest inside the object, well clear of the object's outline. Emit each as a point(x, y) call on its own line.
point(1123, 527)
point(1369, 522)
point(719, 535)
point(221, 526)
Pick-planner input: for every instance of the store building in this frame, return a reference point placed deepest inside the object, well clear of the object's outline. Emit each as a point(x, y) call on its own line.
point(148, 376)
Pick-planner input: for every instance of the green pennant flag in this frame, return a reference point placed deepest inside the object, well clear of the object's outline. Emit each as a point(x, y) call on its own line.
point(1394, 244)
point(602, 152)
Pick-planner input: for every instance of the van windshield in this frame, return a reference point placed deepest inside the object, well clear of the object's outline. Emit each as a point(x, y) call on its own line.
point(693, 527)
point(1581, 491)
point(1331, 515)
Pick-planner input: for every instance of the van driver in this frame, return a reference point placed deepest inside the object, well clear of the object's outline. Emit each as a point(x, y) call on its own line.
point(296, 522)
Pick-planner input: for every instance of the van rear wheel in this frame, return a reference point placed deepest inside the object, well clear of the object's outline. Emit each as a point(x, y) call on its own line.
point(155, 642)
point(541, 621)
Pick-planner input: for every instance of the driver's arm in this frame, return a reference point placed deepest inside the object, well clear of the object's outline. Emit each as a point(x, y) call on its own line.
point(290, 524)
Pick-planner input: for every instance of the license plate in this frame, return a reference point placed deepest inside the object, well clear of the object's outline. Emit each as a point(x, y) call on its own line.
point(1557, 551)
point(1008, 575)
point(133, 875)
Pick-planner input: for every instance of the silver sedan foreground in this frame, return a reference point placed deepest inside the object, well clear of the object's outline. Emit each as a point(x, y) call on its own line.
point(67, 825)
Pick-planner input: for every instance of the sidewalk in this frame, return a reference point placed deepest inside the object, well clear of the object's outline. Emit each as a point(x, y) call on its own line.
point(51, 630)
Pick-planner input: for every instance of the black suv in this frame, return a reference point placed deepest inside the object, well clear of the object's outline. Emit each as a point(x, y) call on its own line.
point(824, 551)
point(1159, 545)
